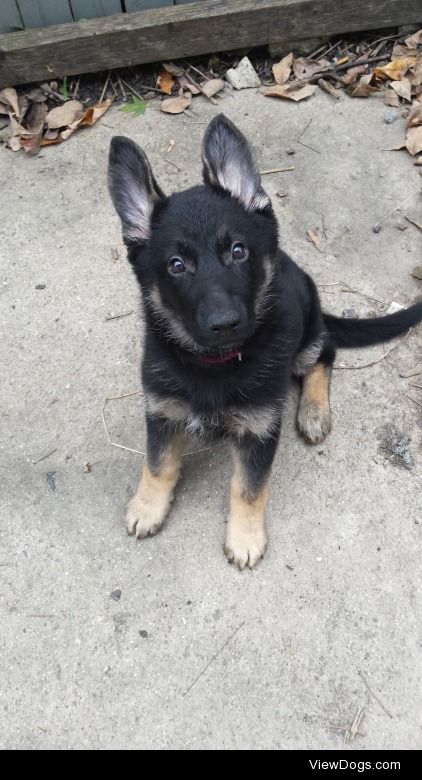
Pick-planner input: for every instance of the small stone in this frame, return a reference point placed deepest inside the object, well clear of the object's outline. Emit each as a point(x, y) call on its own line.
point(144, 634)
point(393, 308)
point(376, 228)
point(390, 115)
point(291, 152)
point(417, 272)
point(116, 595)
point(349, 314)
point(40, 286)
point(243, 76)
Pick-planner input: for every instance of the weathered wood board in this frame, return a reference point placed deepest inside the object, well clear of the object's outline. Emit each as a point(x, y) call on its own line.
point(185, 30)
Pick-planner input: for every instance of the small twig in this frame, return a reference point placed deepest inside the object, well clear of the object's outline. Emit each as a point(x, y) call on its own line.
point(45, 456)
point(374, 695)
point(359, 61)
point(138, 94)
point(277, 170)
point(418, 386)
point(412, 222)
point(199, 72)
point(118, 316)
point(302, 133)
point(377, 227)
point(170, 162)
point(312, 148)
point(192, 81)
point(328, 88)
point(418, 403)
point(223, 646)
point(413, 372)
point(76, 90)
point(349, 290)
point(41, 616)
point(330, 49)
point(374, 362)
point(122, 89)
point(104, 88)
point(113, 86)
point(350, 734)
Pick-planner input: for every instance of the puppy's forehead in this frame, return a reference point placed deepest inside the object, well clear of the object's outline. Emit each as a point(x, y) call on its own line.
point(202, 212)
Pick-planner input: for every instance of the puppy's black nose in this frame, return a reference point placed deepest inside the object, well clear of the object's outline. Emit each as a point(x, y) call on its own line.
point(222, 322)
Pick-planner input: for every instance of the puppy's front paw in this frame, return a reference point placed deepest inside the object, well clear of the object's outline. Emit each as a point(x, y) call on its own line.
point(314, 421)
point(245, 546)
point(144, 516)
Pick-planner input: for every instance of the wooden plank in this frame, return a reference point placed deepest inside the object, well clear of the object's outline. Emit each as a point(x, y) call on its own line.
point(93, 9)
point(40, 13)
point(185, 30)
point(10, 18)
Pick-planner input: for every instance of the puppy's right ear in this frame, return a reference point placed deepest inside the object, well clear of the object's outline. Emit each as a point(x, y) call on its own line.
point(133, 189)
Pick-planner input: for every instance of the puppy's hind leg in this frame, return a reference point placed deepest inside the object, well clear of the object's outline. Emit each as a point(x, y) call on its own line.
point(314, 415)
point(149, 506)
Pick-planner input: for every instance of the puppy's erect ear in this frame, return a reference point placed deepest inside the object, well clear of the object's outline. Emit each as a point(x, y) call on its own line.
point(133, 188)
point(229, 164)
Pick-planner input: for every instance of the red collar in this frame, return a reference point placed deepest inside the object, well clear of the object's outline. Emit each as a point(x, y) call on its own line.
point(222, 358)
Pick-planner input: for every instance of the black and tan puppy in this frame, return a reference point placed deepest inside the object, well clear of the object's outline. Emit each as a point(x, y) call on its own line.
point(228, 319)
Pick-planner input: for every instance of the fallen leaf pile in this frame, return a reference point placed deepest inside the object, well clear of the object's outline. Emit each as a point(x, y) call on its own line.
point(179, 83)
point(33, 124)
point(400, 81)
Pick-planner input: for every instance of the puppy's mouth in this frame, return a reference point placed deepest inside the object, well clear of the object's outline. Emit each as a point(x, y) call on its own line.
point(223, 356)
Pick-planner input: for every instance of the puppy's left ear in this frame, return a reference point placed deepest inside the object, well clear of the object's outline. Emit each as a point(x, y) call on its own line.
point(229, 164)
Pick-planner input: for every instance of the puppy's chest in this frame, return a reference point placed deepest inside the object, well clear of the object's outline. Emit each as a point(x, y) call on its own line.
point(260, 421)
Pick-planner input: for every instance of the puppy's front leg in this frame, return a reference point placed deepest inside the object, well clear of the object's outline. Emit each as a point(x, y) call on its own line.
point(149, 506)
point(246, 538)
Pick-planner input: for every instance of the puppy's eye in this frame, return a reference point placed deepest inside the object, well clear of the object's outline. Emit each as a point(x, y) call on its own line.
point(239, 251)
point(176, 266)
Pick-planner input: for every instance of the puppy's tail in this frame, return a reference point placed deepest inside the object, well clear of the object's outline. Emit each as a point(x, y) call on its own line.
point(363, 333)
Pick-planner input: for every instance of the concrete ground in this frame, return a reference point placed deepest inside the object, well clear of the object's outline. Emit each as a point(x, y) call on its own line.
point(192, 653)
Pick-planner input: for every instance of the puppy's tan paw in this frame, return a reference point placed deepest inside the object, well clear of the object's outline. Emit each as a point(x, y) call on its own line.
point(314, 421)
point(145, 517)
point(245, 546)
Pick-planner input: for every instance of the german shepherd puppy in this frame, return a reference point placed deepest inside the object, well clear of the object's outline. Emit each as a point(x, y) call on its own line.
point(229, 317)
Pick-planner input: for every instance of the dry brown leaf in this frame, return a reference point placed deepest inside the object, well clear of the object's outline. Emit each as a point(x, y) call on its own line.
point(175, 70)
point(211, 87)
point(176, 105)
point(418, 161)
point(3, 109)
point(283, 91)
point(414, 140)
point(89, 117)
point(304, 68)
point(415, 116)
point(64, 115)
point(352, 74)
point(165, 81)
point(94, 113)
point(414, 40)
point(403, 89)
point(395, 70)
point(313, 239)
point(364, 88)
point(9, 97)
point(415, 74)
point(186, 84)
point(391, 98)
point(282, 69)
point(399, 50)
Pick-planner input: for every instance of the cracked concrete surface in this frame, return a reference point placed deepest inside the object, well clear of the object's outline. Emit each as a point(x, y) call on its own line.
point(193, 654)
